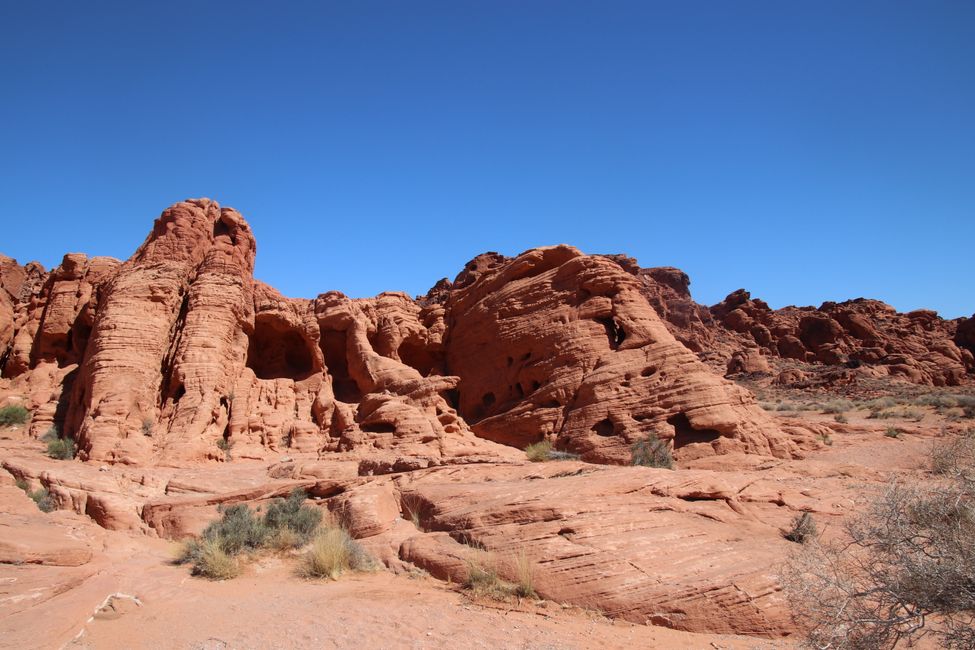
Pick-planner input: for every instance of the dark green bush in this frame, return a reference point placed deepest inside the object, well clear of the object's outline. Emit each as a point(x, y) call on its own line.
point(59, 447)
point(290, 513)
point(14, 414)
point(237, 530)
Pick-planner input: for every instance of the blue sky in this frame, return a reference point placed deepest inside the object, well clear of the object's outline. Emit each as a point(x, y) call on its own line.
point(806, 151)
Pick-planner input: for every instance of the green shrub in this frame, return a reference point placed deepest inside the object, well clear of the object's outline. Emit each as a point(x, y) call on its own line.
point(58, 447)
point(652, 452)
point(45, 502)
point(892, 432)
point(225, 446)
point(841, 418)
point(803, 529)
point(22, 485)
point(237, 530)
point(292, 515)
point(13, 414)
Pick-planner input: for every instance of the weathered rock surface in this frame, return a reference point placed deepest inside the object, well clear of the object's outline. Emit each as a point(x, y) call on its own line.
point(557, 344)
point(178, 354)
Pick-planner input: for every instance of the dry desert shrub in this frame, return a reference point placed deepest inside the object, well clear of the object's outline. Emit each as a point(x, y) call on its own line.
point(332, 553)
point(652, 452)
point(905, 570)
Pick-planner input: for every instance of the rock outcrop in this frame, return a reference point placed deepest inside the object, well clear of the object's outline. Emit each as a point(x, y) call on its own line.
point(180, 354)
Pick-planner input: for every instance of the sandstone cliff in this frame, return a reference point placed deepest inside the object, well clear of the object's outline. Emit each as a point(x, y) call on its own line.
point(179, 354)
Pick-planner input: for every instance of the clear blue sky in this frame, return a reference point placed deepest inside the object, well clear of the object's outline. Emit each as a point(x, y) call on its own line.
point(807, 150)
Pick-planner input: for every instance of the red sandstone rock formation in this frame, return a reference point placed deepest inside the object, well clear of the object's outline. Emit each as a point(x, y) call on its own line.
point(179, 354)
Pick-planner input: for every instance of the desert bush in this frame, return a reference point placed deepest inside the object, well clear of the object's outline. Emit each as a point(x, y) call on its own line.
point(13, 414)
point(333, 551)
point(237, 530)
point(148, 427)
point(954, 457)
point(58, 447)
point(652, 452)
point(22, 484)
point(538, 452)
point(45, 502)
point(211, 561)
point(803, 529)
point(225, 446)
point(291, 514)
point(841, 418)
point(892, 432)
point(827, 439)
point(905, 570)
point(837, 406)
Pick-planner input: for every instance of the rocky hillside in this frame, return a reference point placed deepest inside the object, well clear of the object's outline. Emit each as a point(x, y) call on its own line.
point(178, 352)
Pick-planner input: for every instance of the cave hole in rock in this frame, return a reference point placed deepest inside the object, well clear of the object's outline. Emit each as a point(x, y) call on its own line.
point(605, 428)
point(685, 434)
point(536, 385)
point(614, 331)
point(519, 390)
point(220, 229)
point(334, 344)
point(488, 400)
point(378, 427)
point(277, 351)
point(649, 371)
point(420, 357)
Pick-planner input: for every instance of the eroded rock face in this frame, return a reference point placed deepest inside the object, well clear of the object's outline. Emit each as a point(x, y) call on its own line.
point(557, 344)
point(918, 346)
point(179, 354)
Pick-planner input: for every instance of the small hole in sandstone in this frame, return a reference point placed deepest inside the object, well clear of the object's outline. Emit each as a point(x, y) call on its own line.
point(519, 390)
point(488, 399)
point(604, 428)
point(526, 356)
point(551, 404)
point(648, 371)
point(379, 427)
point(536, 385)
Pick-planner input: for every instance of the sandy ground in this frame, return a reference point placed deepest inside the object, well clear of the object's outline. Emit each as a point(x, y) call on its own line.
point(270, 608)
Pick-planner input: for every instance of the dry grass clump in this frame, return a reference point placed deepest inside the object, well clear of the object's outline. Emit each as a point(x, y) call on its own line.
point(538, 452)
point(542, 451)
point(210, 560)
point(837, 406)
point(332, 553)
point(652, 452)
point(484, 576)
point(892, 432)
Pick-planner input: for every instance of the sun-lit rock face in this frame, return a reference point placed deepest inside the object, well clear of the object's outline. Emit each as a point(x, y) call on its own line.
point(179, 354)
point(560, 344)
